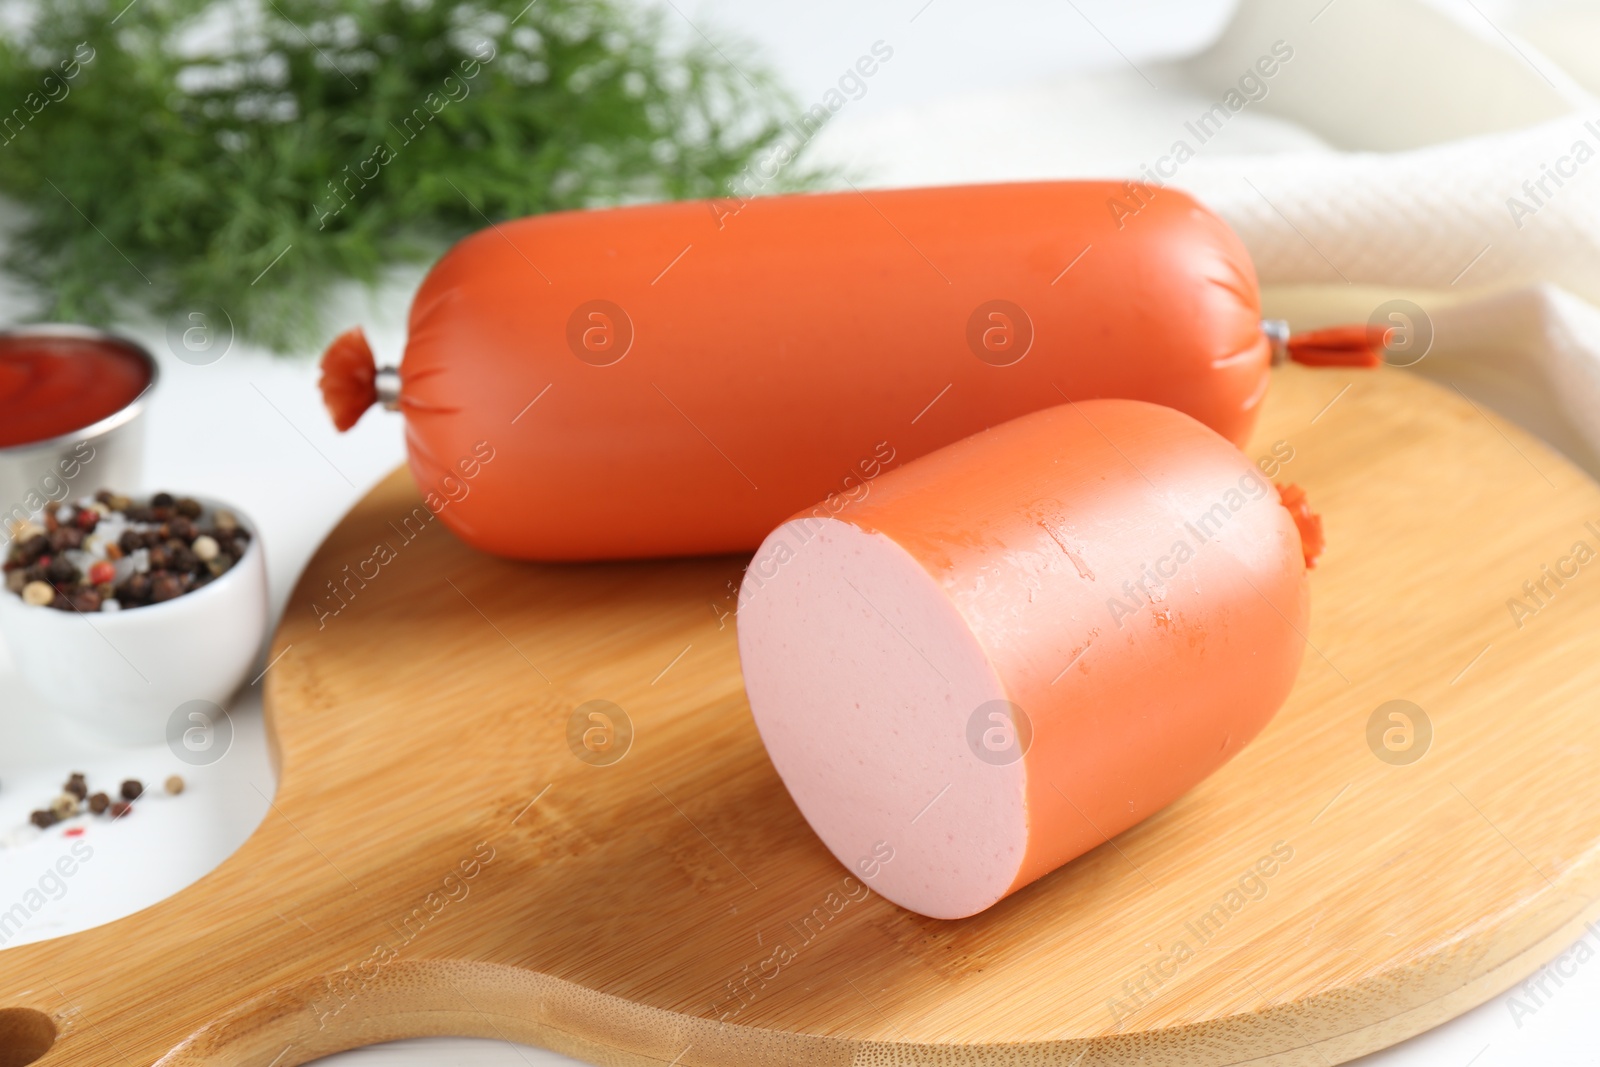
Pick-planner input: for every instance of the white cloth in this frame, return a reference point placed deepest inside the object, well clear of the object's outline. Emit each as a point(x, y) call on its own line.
point(1378, 161)
point(1494, 234)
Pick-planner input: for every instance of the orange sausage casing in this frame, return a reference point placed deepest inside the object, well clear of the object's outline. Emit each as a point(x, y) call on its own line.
point(1022, 644)
point(676, 378)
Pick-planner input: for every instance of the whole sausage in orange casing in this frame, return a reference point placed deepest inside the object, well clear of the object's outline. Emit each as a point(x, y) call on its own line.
point(1018, 646)
point(676, 378)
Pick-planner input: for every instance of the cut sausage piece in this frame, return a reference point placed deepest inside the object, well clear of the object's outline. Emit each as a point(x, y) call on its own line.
point(1008, 649)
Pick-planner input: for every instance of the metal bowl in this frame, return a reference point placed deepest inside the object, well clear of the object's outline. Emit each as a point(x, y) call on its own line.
point(108, 453)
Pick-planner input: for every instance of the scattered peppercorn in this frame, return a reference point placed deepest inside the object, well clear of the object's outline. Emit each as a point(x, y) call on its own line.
point(75, 798)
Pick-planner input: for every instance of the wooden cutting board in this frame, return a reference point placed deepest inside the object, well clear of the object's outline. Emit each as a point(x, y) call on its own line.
point(440, 860)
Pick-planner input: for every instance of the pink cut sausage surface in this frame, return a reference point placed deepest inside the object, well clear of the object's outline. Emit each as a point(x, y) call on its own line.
point(1001, 653)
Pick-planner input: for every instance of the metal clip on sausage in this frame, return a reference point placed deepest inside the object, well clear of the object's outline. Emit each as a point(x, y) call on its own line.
point(1335, 346)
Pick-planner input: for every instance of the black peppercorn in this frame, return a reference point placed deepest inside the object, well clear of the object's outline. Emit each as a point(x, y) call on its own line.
point(32, 548)
point(64, 537)
point(180, 557)
point(77, 786)
point(61, 571)
point(161, 500)
point(132, 788)
point(43, 819)
point(78, 600)
point(99, 803)
point(134, 590)
point(164, 586)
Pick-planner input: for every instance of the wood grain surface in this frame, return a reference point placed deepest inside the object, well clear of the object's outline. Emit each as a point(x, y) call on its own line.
point(438, 860)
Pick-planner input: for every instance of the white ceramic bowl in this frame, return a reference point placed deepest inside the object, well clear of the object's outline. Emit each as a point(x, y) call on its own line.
point(123, 674)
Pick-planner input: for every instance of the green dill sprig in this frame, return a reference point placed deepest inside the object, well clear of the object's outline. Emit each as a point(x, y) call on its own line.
point(172, 153)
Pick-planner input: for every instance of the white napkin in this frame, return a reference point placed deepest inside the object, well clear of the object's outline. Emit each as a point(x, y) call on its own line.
point(1368, 166)
point(1494, 232)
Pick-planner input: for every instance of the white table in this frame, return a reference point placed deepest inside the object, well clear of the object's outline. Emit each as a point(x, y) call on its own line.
point(250, 429)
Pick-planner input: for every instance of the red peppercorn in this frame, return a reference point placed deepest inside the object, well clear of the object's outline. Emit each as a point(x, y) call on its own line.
point(86, 519)
point(119, 808)
point(101, 572)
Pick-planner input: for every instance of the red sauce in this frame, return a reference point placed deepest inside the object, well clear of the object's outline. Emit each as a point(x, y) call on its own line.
point(50, 386)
